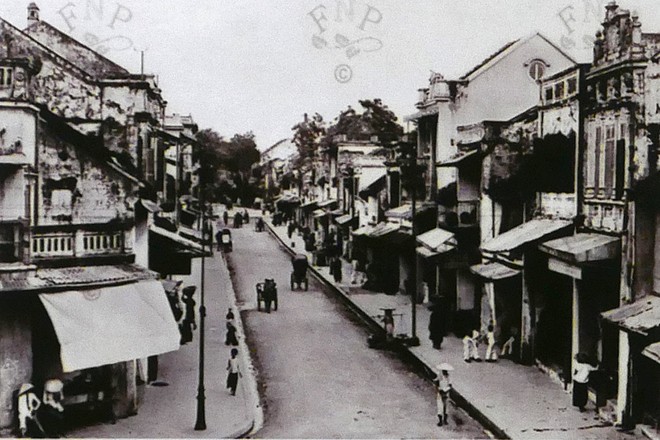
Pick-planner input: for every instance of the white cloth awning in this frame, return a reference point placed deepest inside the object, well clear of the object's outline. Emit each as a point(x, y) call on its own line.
point(319, 213)
point(112, 324)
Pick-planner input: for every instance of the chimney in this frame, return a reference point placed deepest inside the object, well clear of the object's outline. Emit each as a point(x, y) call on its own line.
point(33, 14)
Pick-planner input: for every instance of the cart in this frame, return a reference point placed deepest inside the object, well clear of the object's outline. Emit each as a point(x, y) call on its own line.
point(267, 293)
point(299, 274)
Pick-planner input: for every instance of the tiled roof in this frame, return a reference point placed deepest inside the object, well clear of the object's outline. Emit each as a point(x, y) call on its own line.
point(41, 279)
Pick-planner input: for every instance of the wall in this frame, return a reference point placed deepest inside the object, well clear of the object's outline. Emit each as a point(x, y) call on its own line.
point(16, 360)
point(76, 188)
point(18, 131)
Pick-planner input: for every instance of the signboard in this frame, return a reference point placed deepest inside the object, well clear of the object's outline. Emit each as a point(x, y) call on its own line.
point(561, 267)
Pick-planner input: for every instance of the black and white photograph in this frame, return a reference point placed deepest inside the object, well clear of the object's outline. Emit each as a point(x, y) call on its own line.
point(330, 219)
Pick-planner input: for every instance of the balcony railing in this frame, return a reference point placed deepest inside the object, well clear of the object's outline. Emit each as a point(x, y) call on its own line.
point(77, 243)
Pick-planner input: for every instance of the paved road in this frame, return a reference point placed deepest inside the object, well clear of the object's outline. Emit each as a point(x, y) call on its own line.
point(317, 377)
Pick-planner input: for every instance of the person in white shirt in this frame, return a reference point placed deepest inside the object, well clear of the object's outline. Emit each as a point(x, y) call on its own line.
point(28, 404)
point(491, 353)
point(234, 371)
point(581, 372)
point(442, 387)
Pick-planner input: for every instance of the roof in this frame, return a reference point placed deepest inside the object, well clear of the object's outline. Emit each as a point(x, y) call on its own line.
point(97, 65)
point(68, 277)
point(639, 317)
point(458, 158)
point(527, 232)
point(509, 47)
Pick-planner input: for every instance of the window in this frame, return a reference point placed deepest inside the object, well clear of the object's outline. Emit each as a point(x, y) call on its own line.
point(608, 171)
point(572, 85)
point(606, 161)
point(536, 70)
point(559, 90)
point(6, 76)
point(548, 94)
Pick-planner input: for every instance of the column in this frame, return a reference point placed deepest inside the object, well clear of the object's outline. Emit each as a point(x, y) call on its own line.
point(575, 333)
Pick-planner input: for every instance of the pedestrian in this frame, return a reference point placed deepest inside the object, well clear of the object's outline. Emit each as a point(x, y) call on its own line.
point(218, 239)
point(189, 323)
point(442, 389)
point(230, 338)
point(51, 413)
point(289, 229)
point(491, 353)
point(507, 347)
point(471, 347)
point(475, 346)
point(436, 326)
point(225, 218)
point(246, 217)
point(354, 271)
point(581, 372)
point(238, 220)
point(234, 371)
point(28, 404)
point(388, 323)
point(335, 269)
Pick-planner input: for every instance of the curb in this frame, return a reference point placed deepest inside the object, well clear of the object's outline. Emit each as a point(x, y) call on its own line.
point(252, 399)
point(408, 355)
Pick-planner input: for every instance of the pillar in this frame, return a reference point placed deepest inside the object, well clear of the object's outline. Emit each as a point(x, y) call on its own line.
point(575, 331)
point(623, 415)
point(526, 334)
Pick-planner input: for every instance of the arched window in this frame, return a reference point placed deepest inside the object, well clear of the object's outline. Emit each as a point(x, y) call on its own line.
point(537, 69)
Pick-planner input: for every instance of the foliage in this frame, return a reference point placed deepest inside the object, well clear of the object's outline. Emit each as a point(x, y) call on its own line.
point(307, 134)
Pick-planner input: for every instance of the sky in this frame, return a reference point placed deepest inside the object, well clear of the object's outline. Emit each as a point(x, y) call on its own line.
point(259, 65)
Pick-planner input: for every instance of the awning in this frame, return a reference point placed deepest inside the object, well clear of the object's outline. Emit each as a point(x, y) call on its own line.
point(319, 213)
point(337, 212)
point(426, 253)
point(113, 324)
point(344, 219)
point(180, 243)
point(309, 206)
point(458, 159)
point(150, 206)
point(527, 232)
point(14, 159)
point(326, 203)
point(371, 177)
point(363, 231)
point(638, 317)
point(403, 211)
point(420, 114)
point(383, 228)
point(583, 247)
point(494, 271)
point(652, 352)
point(437, 240)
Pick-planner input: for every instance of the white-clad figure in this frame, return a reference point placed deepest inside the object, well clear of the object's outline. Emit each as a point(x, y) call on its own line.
point(28, 404)
point(491, 353)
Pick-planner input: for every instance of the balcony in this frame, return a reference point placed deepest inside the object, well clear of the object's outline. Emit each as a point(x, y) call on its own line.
point(47, 244)
point(464, 215)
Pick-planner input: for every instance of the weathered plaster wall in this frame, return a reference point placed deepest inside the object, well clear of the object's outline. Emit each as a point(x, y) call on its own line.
point(60, 86)
point(652, 92)
point(18, 131)
point(16, 359)
point(76, 188)
point(560, 120)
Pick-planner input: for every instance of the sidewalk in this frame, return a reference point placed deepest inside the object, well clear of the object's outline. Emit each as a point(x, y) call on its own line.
point(169, 410)
point(516, 401)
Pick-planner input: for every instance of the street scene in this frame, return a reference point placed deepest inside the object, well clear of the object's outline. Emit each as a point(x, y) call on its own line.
point(330, 219)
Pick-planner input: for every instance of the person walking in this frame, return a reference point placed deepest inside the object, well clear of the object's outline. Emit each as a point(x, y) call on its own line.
point(28, 404)
point(189, 323)
point(231, 338)
point(507, 347)
point(335, 269)
point(491, 354)
point(225, 218)
point(436, 326)
point(442, 389)
point(581, 372)
point(388, 323)
point(246, 217)
point(234, 371)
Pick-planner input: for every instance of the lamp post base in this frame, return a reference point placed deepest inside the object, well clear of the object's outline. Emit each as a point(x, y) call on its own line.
point(200, 423)
point(413, 341)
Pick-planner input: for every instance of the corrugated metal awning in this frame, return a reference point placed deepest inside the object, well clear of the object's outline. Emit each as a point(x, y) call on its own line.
point(639, 317)
point(494, 271)
point(527, 232)
point(420, 114)
point(319, 213)
point(343, 219)
point(327, 203)
point(363, 231)
point(384, 228)
point(652, 352)
point(583, 247)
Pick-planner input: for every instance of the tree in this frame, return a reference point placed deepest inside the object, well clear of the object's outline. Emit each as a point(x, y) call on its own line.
point(307, 135)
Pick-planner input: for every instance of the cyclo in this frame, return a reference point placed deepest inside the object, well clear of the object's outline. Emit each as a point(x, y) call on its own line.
point(299, 274)
point(267, 293)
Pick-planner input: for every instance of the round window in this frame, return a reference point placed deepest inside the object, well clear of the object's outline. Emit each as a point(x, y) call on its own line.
point(536, 70)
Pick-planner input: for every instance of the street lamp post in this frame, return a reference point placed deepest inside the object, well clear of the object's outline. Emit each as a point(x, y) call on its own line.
point(200, 423)
point(410, 169)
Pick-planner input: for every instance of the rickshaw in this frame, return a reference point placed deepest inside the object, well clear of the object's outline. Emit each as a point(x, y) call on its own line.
point(225, 240)
point(267, 292)
point(299, 274)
